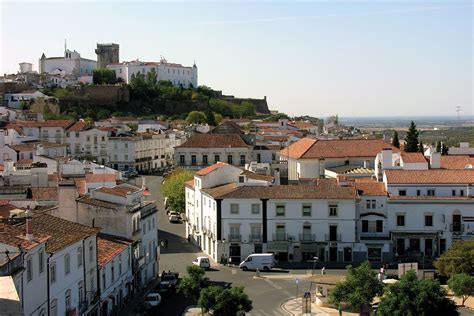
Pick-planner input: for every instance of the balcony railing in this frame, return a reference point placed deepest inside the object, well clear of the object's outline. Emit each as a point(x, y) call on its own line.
point(457, 228)
point(234, 237)
point(333, 237)
point(307, 237)
point(255, 238)
point(280, 237)
point(373, 236)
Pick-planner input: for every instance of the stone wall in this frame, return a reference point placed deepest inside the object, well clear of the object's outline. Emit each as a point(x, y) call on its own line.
point(260, 105)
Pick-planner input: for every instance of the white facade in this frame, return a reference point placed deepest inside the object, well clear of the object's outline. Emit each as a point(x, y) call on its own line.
point(71, 63)
point(91, 142)
point(177, 74)
point(15, 100)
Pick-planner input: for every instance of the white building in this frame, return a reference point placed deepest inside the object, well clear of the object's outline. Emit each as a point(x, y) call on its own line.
point(70, 64)
point(15, 100)
point(86, 141)
point(177, 74)
point(115, 272)
point(232, 214)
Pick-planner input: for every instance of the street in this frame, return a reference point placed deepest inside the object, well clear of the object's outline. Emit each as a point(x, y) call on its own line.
point(266, 293)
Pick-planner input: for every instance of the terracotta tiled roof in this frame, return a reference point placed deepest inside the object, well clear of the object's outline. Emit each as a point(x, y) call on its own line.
point(456, 161)
point(63, 233)
point(95, 178)
point(214, 141)
point(118, 190)
point(256, 176)
point(211, 168)
point(302, 125)
point(24, 162)
point(49, 123)
point(325, 189)
point(109, 247)
point(99, 203)
point(189, 184)
point(31, 146)
point(5, 210)
point(79, 126)
point(431, 198)
point(15, 235)
point(45, 194)
point(370, 187)
point(431, 176)
point(413, 157)
point(338, 148)
point(80, 184)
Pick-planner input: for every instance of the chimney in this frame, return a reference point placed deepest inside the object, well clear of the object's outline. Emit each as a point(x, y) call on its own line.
point(435, 160)
point(322, 168)
point(29, 224)
point(387, 158)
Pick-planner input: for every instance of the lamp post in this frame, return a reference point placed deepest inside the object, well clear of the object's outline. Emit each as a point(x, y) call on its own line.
point(315, 259)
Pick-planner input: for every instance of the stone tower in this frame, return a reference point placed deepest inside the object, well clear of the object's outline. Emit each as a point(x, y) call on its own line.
point(107, 54)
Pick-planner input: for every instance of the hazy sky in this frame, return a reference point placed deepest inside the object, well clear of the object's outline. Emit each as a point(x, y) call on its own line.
point(353, 58)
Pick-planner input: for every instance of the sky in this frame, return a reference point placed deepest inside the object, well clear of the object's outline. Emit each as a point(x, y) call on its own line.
point(352, 58)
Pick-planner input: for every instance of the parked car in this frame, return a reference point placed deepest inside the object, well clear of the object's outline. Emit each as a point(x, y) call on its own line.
point(168, 282)
point(261, 261)
point(153, 300)
point(174, 219)
point(202, 262)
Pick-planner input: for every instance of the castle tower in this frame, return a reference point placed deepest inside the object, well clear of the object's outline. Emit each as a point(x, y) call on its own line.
point(107, 54)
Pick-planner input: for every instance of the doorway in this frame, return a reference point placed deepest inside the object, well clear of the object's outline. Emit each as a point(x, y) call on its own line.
point(333, 254)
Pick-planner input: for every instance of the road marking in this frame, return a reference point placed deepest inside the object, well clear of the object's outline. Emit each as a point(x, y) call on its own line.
point(273, 284)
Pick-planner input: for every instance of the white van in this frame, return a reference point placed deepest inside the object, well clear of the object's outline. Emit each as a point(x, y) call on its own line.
point(261, 261)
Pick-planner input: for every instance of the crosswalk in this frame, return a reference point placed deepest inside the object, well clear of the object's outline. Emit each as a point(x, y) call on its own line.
point(261, 312)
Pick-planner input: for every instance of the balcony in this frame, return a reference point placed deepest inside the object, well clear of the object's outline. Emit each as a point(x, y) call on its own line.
point(333, 237)
point(255, 238)
point(374, 236)
point(456, 228)
point(136, 234)
point(281, 237)
point(234, 237)
point(307, 237)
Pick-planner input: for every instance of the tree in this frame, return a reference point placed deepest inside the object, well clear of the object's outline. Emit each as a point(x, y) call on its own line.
point(193, 282)
point(358, 289)
point(24, 105)
point(218, 118)
point(211, 118)
point(416, 297)
point(246, 109)
point(458, 259)
point(173, 189)
point(438, 146)
point(395, 140)
point(225, 302)
point(196, 117)
point(421, 148)
point(104, 76)
point(444, 149)
point(462, 286)
point(411, 139)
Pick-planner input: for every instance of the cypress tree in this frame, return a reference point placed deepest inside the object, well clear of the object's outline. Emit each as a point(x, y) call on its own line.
point(444, 149)
point(421, 148)
point(411, 140)
point(438, 146)
point(395, 140)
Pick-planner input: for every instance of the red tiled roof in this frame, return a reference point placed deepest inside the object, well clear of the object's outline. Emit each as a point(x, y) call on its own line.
point(45, 194)
point(16, 236)
point(79, 126)
point(431, 198)
point(5, 210)
point(109, 247)
point(256, 176)
point(431, 176)
point(49, 123)
point(211, 168)
point(24, 162)
point(337, 148)
point(118, 191)
point(370, 187)
point(214, 141)
point(302, 125)
point(413, 157)
point(456, 161)
point(95, 178)
point(80, 184)
point(324, 189)
point(189, 183)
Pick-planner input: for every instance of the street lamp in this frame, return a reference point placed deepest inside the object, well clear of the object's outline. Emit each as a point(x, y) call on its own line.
point(315, 259)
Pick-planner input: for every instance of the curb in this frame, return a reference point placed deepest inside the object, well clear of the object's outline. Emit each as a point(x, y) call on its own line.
point(282, 306)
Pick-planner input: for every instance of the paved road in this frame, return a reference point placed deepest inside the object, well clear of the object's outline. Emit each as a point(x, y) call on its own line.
point(267, 294)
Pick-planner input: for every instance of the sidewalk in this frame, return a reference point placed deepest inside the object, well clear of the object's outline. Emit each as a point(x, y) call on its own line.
point(293, 306)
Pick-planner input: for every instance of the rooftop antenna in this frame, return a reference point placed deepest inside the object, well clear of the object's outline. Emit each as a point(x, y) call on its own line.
point(458, 110)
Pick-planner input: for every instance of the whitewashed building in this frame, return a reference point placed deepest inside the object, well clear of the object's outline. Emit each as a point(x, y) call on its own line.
point(70, 64)
point(177, 74)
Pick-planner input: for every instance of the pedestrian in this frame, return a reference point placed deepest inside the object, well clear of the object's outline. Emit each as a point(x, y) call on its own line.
point(323, 271)
point(222, 259)
point(166, 243)
point(230, 261)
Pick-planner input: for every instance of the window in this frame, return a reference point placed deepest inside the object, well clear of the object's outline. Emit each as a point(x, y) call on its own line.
point(181, 159)
point(112, 272)
point(242, 160)
point(67, 264)
point(216, 158)
point(204, 160)
point(29, 269)
point(68, 300)
point(402, 192)
point(41, 261)
point(400, 220)
point(54, 308)
point(374, 254)
point(461, 192)
point(79, 257)
point(379, 226)
point(332, 210)
point(234, 209)
point(104, 281)
point(193, 160)
point(418, 192)
point(52, 272)
point(241, 179)
point(428, 220)
point(280, 210)
point(120, 265)
point(365, 226)
point(374, 204)
point(229, 159)
point(430, 192)
point(371, 204)
point(80, 291)
point(91, 252)
point(453, 192)
point(306, 210)
point(255, 208)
